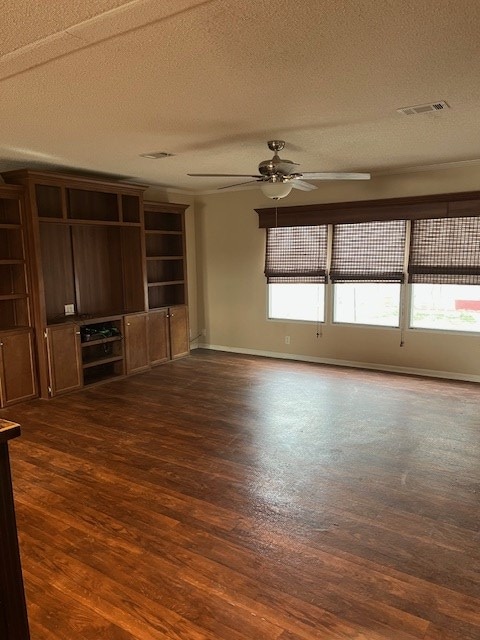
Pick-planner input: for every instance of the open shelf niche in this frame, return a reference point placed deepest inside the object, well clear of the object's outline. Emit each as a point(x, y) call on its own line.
point(165, 254)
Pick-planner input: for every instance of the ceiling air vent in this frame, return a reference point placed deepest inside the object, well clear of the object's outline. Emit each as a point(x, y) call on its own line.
point(156, 155)
point(441, 105)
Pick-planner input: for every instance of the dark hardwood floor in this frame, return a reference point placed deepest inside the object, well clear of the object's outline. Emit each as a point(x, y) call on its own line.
point(227, 497)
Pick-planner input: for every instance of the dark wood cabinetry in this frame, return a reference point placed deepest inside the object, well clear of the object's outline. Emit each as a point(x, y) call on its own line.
point(168, 334)
point(158, 337)
point(17, 364)
point(64, 359)
point(86, 245)
point(179, 335)
point(166, 268)
point(165, 254)
point(97, 253)
point(136, 342)
point(17, 367)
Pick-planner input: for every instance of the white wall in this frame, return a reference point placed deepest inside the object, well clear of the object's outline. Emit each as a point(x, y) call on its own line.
point(232, 298)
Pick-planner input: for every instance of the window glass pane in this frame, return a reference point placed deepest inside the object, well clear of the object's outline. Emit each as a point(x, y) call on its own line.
point(445, 306)
point(296, 301)
point(367, 303)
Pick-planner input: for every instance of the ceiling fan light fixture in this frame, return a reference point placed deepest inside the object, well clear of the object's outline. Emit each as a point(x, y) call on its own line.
point(275, 190)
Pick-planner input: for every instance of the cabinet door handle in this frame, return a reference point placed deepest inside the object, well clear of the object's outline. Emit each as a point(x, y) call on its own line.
point(77, 333)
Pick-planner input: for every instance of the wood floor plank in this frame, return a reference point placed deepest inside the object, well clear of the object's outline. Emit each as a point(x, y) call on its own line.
point(227, 497)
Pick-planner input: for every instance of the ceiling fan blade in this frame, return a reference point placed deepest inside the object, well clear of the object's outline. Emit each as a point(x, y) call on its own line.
point(223, 175)
point(336, 176)
point(239, 184)
point(302, 185)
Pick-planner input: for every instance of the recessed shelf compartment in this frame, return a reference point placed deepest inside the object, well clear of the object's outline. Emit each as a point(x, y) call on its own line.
point(9, 211)
point(49, 201)
point(102, 350)
point(165, 270)
point(166, 295)
point(103, 372)
point(163, 245)
point(12, 278)
point(14, 312)
point(163, 221)
point(84, 204)
point(130, 208)
point(11, 244)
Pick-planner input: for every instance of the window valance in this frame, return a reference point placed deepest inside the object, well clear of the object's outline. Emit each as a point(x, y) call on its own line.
point(446, 205)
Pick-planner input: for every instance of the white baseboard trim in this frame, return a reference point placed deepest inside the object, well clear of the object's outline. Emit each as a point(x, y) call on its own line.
point(429, 373)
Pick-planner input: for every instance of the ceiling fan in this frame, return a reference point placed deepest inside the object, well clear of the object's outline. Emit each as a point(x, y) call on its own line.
point(277, 177)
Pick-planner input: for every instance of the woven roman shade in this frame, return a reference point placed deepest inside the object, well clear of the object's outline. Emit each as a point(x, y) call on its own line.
point(445, 251)
point(368, 252)
point(296, 254)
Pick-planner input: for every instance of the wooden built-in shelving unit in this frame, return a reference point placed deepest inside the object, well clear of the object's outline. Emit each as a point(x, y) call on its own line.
point(94, 246)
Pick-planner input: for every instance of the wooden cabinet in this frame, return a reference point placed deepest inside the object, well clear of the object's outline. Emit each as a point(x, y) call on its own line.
point(64, 359)
point(166, 269)
point(179, 335)
point(96, 254)
point(17, 362)
point(158, 336)
point(86, 246)
point(168, 334)
point(136, 342)
point(17, 367)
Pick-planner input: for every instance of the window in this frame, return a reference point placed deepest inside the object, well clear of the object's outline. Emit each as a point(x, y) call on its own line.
point(367, 303)
point(444, 270)
point(295, 266)
point(353, 269)
point(367, 268)
point(445, 306)
point(296, 302)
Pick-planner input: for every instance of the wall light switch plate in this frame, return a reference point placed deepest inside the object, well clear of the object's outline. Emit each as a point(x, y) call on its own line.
point(69, 309)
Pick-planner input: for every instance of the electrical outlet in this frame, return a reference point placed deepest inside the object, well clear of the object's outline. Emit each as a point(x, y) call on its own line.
point(69, 309)
point(287, 339)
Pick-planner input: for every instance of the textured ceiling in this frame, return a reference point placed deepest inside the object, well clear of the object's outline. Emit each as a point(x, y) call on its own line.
point(92, 85)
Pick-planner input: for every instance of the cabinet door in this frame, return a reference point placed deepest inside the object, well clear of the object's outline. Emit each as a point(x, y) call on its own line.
point(179, 339)
point(17, 368)
point(64, 358)
point(136, 347)
point(158, 338)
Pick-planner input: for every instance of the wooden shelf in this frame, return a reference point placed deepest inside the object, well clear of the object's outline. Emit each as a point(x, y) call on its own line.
point(97, 377)
point(164, 284)
point(8, 261)
point(165, 258)
point(163, 232)
point(91, 343)
point(100, 361)
point(105, 223)
point(5, 225)
point(14, 296)
point(13, 328)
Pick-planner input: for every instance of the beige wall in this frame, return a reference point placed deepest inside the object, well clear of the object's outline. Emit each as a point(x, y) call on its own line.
point(232, 296)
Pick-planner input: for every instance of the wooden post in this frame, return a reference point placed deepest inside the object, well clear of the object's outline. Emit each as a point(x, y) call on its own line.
point(13, 610)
